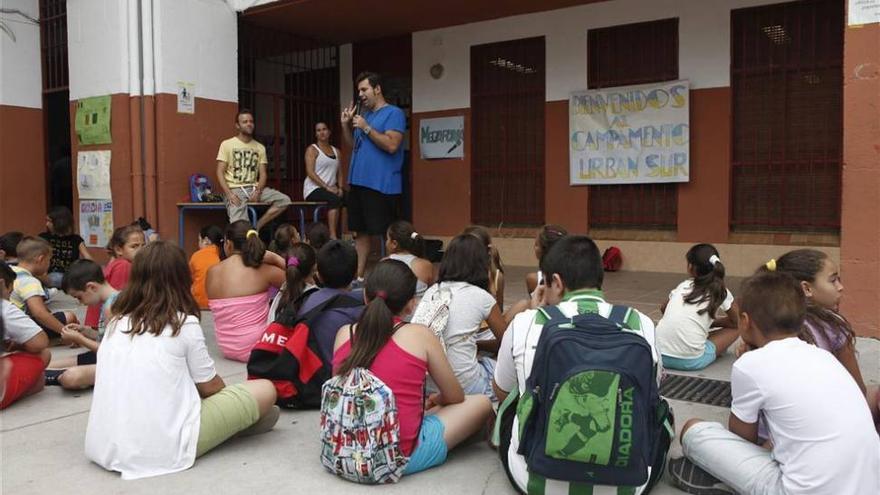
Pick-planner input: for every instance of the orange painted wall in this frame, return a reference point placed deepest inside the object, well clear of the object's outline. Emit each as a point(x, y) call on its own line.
point(564, 204)
point(704, 201)
point(860, 213)
point(22, 170)
point(187, 144)
point(441, 188)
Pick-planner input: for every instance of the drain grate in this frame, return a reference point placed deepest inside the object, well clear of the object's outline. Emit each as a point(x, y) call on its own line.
point(696, 389)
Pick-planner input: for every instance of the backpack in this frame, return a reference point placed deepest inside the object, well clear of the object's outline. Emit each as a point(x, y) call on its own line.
point(288, 355)
point(200, 189)
point(433, 310)
point(592, 412)
point(360, 430)
point(612, 259)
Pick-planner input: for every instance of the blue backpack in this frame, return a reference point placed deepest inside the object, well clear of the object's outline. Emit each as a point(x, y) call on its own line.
point(199, 188)
point(591, 412)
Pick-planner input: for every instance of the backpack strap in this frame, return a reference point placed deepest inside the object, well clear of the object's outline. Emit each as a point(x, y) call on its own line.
point(552, 312)
point(619, 314)
point(336, 302)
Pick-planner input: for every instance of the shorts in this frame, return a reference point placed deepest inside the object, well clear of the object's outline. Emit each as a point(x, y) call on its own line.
point(224, 414)
point(27, 370)
point(431, 449)
point(85, 358)
point(483, 385)
point(269, 195)
point(321, 195)
point(746, 467)
point(692, 364)
point(369, 211)
point(60, 316)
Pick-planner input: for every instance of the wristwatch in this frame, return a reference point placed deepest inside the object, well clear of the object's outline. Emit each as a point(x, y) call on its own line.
point(368, 130)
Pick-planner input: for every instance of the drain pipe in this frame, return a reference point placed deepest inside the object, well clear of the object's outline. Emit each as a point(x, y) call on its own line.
point(142, 123)
point(136, 165)
point(149, 152)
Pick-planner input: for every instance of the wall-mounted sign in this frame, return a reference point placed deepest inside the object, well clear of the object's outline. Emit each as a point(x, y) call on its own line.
point(863, 12)
point(96, 222)
point(93, 174)
point(442, 138)
point(92, 121)
point(186, 97)
point(630, 134)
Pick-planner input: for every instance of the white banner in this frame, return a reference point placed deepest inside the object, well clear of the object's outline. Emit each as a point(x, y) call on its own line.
point(442, 138)
point(93, 174)
point(630, 135)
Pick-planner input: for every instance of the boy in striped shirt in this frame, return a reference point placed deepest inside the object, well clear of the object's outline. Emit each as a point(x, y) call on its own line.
point(573, 281)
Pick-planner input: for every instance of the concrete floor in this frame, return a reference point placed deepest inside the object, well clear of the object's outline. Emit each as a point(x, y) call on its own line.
point(42, 437)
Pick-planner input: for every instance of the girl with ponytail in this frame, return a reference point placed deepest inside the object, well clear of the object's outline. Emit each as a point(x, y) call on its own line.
point(299, 278)
point(403, 243)
point(689, 336)
point(238, 290)
point(400, 354)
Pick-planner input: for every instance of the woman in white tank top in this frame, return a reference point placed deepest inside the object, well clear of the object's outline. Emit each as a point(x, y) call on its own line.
point(322, 182)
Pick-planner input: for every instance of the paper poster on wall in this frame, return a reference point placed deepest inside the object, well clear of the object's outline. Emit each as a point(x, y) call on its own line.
point(93, 120)
point(96, 222)
point(441, 138)
point(186, 97)
point(863, 12)
point(93, 174)
point(630, 135)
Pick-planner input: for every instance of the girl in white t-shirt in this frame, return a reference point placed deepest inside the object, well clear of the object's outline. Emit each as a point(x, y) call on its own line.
point(689, 336)
point(158, 401)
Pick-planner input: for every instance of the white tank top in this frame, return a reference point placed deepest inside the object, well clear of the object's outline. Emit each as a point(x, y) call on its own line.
point(325, 167)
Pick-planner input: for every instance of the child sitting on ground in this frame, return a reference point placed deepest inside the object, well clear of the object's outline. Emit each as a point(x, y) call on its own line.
point(317, 235)
point(67, 246)
point(404, 244)
point(299, 278)
point(8, 243)
point(209, 254)
point(123, 246)
point(820, 427)
point(545, 240)
point(688, 335)
point(401, 355)
point(824, 326)
point(28, 294)
point(27, 354)
point(285, 236)
point(496, 266)
point(158, 401)
point(85, 282)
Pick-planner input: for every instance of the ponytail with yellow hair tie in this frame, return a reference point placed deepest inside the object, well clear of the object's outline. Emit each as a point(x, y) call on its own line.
point(771, 265)
point(250, 233)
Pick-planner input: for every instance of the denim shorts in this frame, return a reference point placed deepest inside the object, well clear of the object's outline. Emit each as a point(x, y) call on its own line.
point(692, 364)
point(431, 449)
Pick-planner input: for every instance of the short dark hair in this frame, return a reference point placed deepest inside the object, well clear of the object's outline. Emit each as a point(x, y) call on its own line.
point(242, 111)
point(337, 264)
point(317, 235)
point(80, 273)
point(775, 303)
point(577, 261)
point(371, 77)
point(9, 241)
point(465, 260)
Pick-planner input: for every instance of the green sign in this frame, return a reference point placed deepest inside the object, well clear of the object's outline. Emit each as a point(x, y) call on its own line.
point(93, 120)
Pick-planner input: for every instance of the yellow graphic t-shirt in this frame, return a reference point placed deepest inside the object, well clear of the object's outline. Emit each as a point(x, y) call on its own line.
point(243, 161)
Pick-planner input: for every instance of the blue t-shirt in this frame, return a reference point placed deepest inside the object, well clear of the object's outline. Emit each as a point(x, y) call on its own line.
point(371, 166)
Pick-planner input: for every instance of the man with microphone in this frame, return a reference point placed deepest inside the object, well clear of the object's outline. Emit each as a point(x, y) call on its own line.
point(374, 129)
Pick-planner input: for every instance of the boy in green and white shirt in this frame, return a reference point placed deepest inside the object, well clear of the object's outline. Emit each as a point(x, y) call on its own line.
point(573, 274)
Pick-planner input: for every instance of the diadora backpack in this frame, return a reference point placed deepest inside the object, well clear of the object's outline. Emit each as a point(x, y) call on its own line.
point(200, 189)
point(288, 355)
point(612, 259)
point(360, 430)
point(592, 412)
point(433, 310)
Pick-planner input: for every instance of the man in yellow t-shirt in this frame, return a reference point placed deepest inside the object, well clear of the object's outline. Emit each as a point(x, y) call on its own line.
point(242, 174)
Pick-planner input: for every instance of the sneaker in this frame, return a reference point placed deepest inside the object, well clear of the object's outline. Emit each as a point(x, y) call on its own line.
point(693, 479)
point(264, 424)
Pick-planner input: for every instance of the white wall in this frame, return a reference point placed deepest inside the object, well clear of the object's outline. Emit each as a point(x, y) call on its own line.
point(704, 44)
point(21, 80)
point(195, 41)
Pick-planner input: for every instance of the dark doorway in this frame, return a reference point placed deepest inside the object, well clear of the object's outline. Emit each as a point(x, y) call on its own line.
point(56, 103)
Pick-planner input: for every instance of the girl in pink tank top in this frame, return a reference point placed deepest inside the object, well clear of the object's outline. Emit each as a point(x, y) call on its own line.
point(401, 355)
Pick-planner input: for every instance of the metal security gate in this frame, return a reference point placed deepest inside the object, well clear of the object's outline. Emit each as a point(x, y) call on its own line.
point(507, 105)
point(290, 83)
point(56, 102)
point(624, 55)
point(787, 84)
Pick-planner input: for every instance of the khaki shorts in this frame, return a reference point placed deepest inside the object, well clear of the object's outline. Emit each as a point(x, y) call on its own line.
point(269, 195)
point(224, 414)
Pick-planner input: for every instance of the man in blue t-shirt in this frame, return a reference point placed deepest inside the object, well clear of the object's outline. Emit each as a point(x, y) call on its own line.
point(376, 137)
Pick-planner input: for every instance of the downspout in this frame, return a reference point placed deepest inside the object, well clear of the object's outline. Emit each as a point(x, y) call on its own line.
point(143, 128)
point(149, 116)
point(135, 42)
